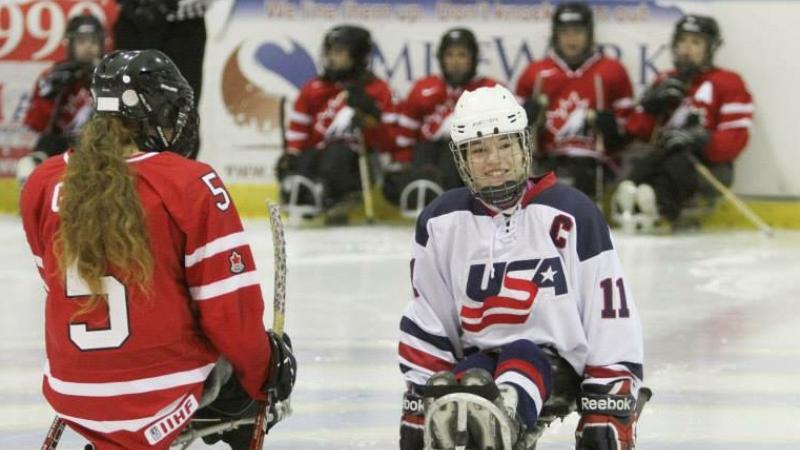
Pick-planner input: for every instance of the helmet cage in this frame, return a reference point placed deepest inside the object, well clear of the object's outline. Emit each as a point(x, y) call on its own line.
point(501, 196)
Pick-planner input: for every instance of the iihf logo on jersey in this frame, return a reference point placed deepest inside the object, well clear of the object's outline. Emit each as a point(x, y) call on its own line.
point(237, 265)
point(518, 288)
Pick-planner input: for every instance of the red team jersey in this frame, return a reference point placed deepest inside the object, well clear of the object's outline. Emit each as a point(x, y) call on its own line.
point(571, 94)
point(725, 107)
point(424, 115)
point(76, 108)
point(319, 103)
point(129, 374)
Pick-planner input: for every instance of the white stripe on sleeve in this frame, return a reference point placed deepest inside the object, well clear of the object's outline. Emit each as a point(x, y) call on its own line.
point(739, 123)
point(737, 108)
point(215, 247)
point(224, 286)
point(299, 117)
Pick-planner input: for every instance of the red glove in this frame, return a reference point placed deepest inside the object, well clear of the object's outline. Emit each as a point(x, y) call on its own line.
point(608, 417)
point(602, 432)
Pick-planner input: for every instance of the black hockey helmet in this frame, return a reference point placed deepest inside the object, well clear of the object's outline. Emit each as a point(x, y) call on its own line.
point(357, 41)
point(84, 25)
point(704, 25)
point(465, 38)
point(573, 14)
point(145, 87)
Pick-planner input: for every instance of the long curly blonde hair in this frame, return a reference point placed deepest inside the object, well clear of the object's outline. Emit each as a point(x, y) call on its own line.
point(102, 219)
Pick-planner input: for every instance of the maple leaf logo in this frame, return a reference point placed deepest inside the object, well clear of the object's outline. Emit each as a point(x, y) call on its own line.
point(568, 119)
point(237, 264)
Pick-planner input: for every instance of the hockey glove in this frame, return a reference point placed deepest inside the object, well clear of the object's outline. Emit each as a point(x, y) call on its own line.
point(664, 97)
point(534, 109)
point(63, 74)
point(364, 105)
point(692, 140)
point(608, 420)
point(282, 367)
point(606, 123)
point(412, 424)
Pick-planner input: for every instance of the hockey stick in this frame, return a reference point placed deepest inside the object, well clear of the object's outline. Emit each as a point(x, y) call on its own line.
point(731, 197)
point(278, 309)
point(366, 186)
point(54, 434)
point(600, 145)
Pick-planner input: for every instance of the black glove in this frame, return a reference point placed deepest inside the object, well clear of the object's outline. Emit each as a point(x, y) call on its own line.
point(358, 99)
point(64, 74)
point(411, 433)
point(51, 144)
point(606, 123)
point(534, 108)
point(664, 97)
point(692, 140)
point(282, 367)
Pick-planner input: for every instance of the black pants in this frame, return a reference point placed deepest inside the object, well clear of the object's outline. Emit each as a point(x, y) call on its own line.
point(578, 172)
point(431, 161)
point(675, 180)
point(335, 166)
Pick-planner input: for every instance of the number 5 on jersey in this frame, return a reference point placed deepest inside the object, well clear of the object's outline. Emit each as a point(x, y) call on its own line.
point(225, 201)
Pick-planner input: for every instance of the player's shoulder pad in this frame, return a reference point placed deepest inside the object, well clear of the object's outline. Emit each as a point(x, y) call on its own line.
point(175, 169)
point(594, 236)
point(458, 199)
point(727, 79)
point(427, 88)
point(50, 169)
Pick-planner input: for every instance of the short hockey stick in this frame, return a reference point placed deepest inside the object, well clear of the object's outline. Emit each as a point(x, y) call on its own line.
point(731, 197)
point(279, 309)
point(366, 185)
point(54, 434)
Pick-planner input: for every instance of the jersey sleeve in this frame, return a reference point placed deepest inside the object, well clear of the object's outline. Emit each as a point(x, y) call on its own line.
point(526, 82)
point(301, 119)
point(410, 114)
point(427, 324)
point(620, 95)
point(734, 120)
point(380, 137)
point(222, 280)
point(608, 312)
point(39, 109)
point(33, 200)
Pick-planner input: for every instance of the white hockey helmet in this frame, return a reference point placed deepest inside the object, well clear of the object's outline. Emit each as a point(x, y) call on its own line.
point(491, 113)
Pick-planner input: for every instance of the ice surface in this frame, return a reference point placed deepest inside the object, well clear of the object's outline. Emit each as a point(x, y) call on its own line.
point(721, 316)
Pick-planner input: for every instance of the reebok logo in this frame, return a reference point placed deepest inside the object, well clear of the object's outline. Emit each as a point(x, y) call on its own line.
point(607, 404)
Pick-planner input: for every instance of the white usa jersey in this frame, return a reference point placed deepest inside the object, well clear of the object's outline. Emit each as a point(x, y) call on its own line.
point(546, 272)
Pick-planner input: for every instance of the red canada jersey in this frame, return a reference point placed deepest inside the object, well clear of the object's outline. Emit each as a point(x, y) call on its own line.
point(425, 114)
point(76, 107)
point(129, 374)
point(320, 111)
point(721, 100)
point(601, 83)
